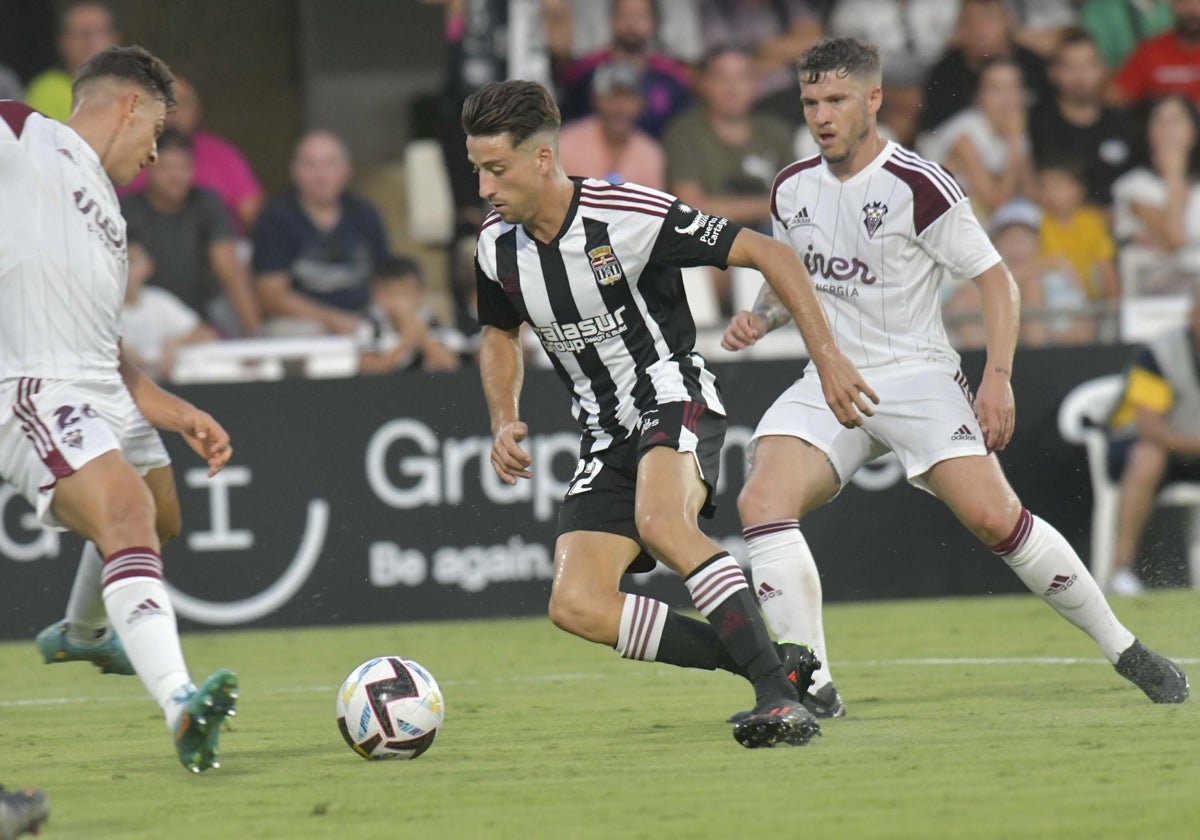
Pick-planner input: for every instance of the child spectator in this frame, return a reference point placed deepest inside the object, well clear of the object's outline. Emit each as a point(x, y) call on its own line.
point(401, 322)
point(155, 323)
point(1075, 231)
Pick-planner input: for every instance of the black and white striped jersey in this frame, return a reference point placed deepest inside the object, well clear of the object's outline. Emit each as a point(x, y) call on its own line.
point(606, 299)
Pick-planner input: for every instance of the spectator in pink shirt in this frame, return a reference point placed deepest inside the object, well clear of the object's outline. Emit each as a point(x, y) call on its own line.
point(608, 145)
point(219, 166)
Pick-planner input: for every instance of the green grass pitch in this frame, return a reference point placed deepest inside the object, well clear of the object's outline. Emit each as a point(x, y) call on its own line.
point(968, 718)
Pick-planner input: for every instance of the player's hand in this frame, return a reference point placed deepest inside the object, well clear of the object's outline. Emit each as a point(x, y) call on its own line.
point(745, 328)
point(509, 460)
point(848, 394)
point(996, 410)
point(208, 439)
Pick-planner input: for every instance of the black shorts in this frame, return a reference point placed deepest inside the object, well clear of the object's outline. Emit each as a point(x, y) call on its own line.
point(602, 493)
point(1177, 470)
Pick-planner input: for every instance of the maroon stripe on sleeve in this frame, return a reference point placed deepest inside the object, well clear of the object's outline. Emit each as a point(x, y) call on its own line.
point(788, 172)
point(15, 113)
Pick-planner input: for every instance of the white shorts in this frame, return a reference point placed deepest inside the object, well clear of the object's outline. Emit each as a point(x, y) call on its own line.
point(50, 428)
point(925, 415)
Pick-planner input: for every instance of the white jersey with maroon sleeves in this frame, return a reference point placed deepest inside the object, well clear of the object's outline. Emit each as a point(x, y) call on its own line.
point(62, 253)
point(606, 299)
point(878, 247)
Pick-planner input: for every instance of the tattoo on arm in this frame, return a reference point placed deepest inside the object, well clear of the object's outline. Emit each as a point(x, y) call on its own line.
point(768, 307)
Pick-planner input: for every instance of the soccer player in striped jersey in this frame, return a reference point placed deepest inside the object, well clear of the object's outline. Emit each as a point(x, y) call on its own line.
point(593, 268)
point(76, 435)
point(880, 228)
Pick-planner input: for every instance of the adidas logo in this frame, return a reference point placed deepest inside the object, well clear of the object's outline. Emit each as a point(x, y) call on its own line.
point(801, 218)
point(145, 609)
point(963, 432)
point(1060, 583)
point(731, 623)
point(766, 592)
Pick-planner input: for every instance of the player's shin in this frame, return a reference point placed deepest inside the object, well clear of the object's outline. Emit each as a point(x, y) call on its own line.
point(788, 587)
point(87, 620)
point(141, 613)
point(720, 592)
point(1046, 563)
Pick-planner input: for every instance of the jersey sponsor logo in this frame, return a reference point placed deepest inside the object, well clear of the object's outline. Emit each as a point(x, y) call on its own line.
point(873, 214)
point(577, 337)
point(800, 217)
point(107, 227)
point(837, 268)
point(708, 227)
point(605, 265)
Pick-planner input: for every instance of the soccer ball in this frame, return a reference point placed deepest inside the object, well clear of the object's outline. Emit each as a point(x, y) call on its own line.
point(389, 707)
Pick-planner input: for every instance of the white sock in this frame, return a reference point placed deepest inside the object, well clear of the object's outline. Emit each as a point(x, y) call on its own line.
point(87, 621)
point(788, 587)
point(140, 611)
point(1046, 563)
point(642, 622)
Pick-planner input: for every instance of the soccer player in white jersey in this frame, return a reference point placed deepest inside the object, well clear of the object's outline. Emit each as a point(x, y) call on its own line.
point(76, 419)
point(594, 269)
point(879, 229)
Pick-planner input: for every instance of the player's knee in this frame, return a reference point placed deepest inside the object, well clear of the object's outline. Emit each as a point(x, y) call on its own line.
point(575, 612)
point(993, 526)
point(755, 506)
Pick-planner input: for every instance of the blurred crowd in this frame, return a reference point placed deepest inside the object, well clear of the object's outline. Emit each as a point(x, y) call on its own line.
point(1072, 125)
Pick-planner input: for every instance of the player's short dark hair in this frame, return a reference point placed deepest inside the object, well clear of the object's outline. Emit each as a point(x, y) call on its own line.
point(174, 139)
point(516, 107)
point(398, 267)
point(841, 57)
point(129, 64)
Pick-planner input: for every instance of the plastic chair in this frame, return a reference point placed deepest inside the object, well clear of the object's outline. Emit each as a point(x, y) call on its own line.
point(1081, 420)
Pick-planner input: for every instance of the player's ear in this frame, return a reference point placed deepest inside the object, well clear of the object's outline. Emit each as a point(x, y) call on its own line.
point(544, 155)
point(874, 99)
point(130, 103)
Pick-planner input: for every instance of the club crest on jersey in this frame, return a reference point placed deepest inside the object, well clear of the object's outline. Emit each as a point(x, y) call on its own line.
point(605, 265)
point(873, 214)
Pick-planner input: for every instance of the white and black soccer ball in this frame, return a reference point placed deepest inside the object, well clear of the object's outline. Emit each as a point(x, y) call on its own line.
point(390, 707)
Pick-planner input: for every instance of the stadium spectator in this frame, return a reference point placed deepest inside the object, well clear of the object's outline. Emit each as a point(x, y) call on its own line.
point(911, 36)
point(891, 226)
point(775, 32)
point(679, 30)
point(721, 155)
point(987, 146)
point(608, 145)
point(1076, 123)
point(317, 245)
point(155, 323)
point(1076, 231)
point(664, 80)
point(1154, 437)
point(1120, 25)
point(1156, 206)
point(217, 164)
point(1039, 25)
point(1166, 63)
point(402, 322)
point(187, 232)
point(85, 28)
point(984, 33)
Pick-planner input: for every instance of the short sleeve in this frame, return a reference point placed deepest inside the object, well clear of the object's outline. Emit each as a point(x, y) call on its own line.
point(274, 248)
point(957, 241)
point(495, 309)
point(691, 237)
point(215, 216)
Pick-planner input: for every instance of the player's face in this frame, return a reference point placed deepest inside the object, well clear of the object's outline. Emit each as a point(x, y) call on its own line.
point(840, 111)
point(143, 118)
point(509, 179)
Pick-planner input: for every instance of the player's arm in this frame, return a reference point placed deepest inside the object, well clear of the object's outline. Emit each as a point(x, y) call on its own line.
point(994, 404)
point(502, 369)
point(170, 413)
point(845, 390)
